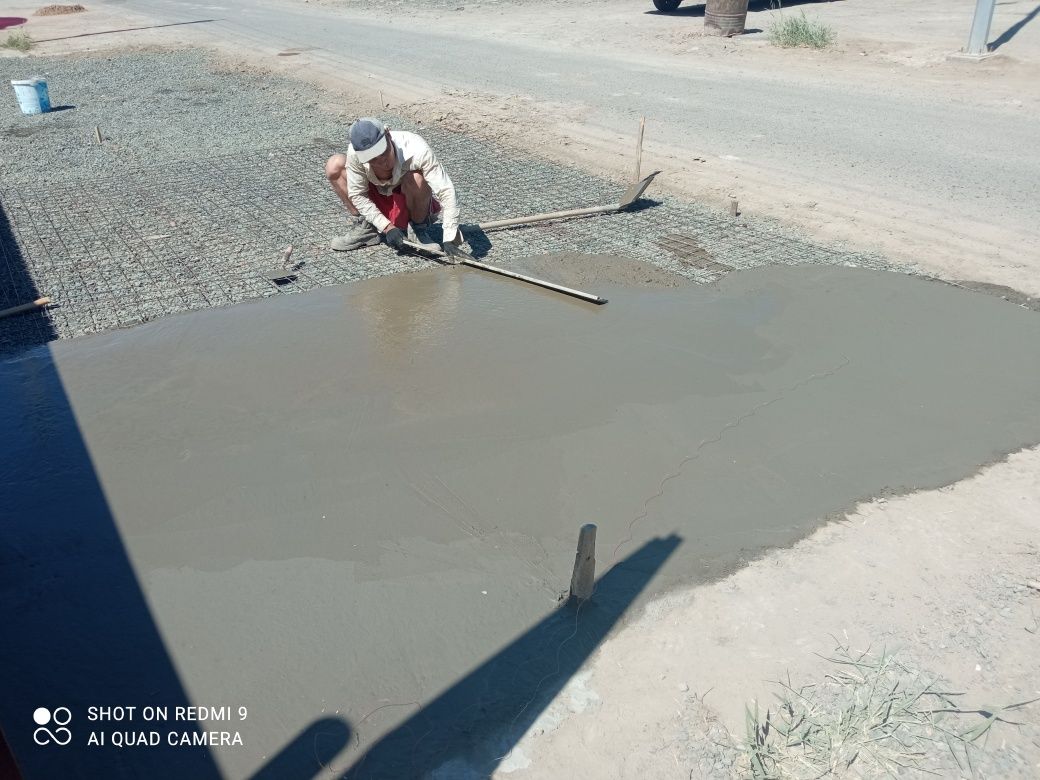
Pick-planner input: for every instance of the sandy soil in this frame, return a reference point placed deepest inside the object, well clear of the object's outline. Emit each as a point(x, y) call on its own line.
point(948, 577)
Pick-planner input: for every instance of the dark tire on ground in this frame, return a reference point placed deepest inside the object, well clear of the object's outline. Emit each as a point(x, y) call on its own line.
point(666, 5)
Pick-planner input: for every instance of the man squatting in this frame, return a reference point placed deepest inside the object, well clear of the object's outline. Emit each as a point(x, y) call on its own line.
point(388, 180)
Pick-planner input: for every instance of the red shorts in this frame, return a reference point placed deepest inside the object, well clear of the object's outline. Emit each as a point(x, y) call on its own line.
point(394, 207)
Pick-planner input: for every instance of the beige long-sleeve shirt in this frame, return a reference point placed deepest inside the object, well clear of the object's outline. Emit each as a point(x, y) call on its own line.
point(413, 154)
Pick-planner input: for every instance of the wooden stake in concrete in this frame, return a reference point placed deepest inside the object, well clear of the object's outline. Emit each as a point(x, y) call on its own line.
point(734, 207)
point(97, 133)
point(639, 147)
point(583, 580)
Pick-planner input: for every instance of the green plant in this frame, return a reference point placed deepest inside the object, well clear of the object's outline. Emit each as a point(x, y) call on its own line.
point(799, 30)
point(872, 717)
point(17, 40)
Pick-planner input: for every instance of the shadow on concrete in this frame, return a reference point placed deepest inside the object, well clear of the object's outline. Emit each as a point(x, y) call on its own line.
point(1014, 29)
point(472, 727)
point(697, 9)
point(125, 29)
point(77, 630)
point(309, 753)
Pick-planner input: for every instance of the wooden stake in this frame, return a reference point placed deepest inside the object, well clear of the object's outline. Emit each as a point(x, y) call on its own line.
point(583, 580)
point(97, 133)
point(382, 105)
point(39, 303)
point(639, 147)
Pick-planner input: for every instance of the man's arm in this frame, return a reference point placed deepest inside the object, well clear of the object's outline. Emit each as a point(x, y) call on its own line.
point(357, 188)
point(443, 191)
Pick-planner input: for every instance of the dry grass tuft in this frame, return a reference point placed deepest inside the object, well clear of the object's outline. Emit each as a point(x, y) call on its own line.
point(18, 41)
point(872, 717)
point(791, 31)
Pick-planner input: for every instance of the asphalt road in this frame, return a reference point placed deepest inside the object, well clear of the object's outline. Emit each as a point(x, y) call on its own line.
point(969, 161)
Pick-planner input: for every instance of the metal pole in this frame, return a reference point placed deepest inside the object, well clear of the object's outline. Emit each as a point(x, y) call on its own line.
point(432, 250)
point(539, 282)
point(979, 38)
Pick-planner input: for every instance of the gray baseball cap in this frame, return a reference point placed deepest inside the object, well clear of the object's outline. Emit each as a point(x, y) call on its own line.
point(368, 138)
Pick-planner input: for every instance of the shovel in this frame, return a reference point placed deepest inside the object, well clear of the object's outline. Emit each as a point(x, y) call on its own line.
point(631, 196)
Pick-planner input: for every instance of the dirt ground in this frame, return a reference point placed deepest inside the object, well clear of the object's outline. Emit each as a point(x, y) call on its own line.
point(950, 577)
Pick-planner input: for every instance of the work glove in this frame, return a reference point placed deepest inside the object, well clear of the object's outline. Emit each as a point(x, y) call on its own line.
point(453, 252)
point(395, 238)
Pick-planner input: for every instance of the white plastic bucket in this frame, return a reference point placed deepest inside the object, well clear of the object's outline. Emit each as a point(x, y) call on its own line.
point(32, 95)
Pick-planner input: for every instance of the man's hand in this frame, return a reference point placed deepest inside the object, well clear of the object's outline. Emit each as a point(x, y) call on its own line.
point(453, 253)
point(453, 250)
point(395, 238)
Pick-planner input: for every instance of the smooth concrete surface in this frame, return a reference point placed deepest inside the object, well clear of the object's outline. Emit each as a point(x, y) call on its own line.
point(332, 508)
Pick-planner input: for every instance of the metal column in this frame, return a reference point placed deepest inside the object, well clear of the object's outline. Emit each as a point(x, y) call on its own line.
point(979, 37)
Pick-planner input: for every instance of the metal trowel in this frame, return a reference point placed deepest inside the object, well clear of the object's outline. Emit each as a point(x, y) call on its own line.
point(285, 273)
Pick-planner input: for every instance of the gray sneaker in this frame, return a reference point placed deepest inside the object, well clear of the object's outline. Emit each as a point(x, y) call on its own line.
point(363, 233)
point(419, 233)
point(425, 232)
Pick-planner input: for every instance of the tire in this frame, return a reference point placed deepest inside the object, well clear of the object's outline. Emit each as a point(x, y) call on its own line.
point(666, 5)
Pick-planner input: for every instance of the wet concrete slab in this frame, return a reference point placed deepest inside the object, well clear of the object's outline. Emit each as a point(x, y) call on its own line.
point(333, 507)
